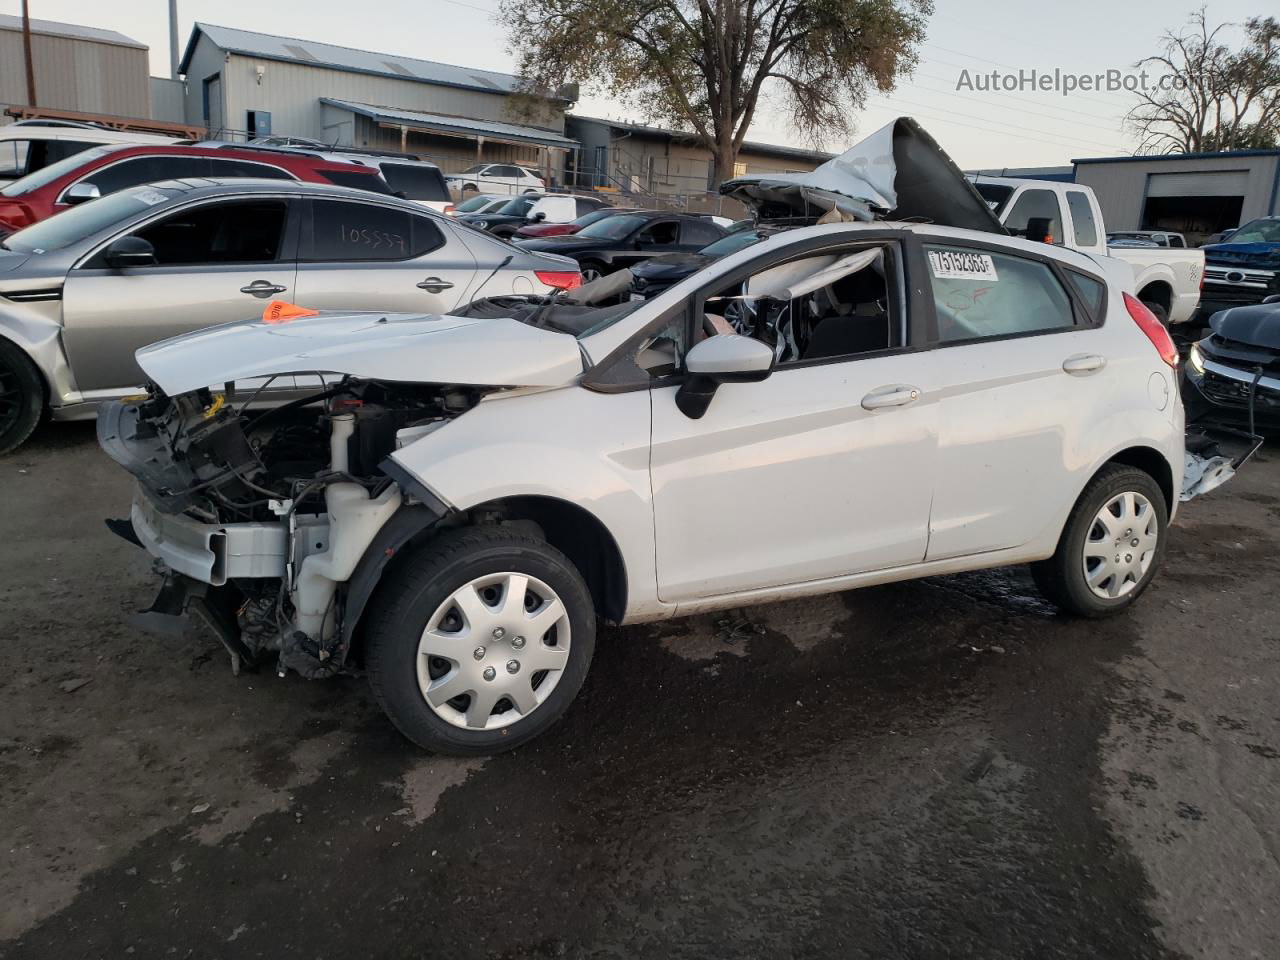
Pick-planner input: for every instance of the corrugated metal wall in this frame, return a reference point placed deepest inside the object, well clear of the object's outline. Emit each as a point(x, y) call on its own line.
point(76, 74)
point(1121, 186)
point(292, 92)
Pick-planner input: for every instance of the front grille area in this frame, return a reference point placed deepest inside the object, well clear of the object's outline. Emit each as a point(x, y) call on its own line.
point(1232, 392)
point(1239, 277)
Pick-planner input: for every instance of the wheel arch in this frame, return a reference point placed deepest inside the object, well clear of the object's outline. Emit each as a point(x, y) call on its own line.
point(25, 351)
point(1157, 290)
point(1151, 462)
point(577, 533)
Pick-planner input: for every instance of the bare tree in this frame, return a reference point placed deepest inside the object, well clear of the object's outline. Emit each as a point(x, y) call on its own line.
point(1214, 98)
point(704, 66)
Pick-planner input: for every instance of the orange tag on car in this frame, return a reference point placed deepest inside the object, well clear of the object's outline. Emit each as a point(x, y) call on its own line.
point(280, 312)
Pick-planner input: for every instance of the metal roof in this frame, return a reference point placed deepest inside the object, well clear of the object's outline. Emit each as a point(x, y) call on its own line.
point(441, 123)
point(1150, 158)
point(267, 46)
point(751, 146)
point(74, 31)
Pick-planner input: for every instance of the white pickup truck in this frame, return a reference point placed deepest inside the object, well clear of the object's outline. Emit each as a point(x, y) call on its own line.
point(1166, 279)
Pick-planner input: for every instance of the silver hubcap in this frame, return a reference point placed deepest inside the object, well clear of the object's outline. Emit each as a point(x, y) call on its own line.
point(493, 651)
point(1121, 545)
point(589, 274)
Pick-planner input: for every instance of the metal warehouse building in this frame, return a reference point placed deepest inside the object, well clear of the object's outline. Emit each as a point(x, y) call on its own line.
point(77, 68)
point(1193, 193)
point(243, 84)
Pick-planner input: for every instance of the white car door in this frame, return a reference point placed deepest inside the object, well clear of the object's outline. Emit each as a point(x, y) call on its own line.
point(1021, 368)
point(825, 468)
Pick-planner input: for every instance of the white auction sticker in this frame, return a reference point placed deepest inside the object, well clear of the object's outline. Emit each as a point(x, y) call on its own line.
point(151, 197)
point(956, 265)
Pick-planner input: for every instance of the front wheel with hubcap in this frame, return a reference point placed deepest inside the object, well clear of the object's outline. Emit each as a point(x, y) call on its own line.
point(480, 641)
point(1110, 547)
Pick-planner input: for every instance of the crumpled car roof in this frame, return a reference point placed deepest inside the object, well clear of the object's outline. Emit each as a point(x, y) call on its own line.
point(899, 173)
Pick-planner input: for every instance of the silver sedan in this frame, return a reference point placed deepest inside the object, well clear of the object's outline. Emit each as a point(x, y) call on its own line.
point(83, 290)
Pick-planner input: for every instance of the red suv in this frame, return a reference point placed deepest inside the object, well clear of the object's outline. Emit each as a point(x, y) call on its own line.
point(95, 173)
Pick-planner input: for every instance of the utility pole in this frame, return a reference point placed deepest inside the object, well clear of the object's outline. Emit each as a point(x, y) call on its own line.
point(173, 38)
point(26, 47)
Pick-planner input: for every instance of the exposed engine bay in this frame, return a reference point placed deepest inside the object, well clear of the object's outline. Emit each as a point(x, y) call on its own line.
point(260, 513)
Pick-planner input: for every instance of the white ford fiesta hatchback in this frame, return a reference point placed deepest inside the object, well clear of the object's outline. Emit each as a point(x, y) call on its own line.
point(464, 497)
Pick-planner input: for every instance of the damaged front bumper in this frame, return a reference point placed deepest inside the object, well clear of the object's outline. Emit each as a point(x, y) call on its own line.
point(212, 553)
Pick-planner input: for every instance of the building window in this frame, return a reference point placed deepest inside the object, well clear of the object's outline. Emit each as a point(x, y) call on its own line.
point(739, 168)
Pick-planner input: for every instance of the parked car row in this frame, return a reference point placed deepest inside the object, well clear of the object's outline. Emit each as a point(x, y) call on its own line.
point(81, 291)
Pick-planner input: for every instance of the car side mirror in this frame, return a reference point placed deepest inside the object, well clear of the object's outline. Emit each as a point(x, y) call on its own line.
point(539, 216)
point(82, 193)
point(1274, 298)
point(726, 358)
point(130, 252)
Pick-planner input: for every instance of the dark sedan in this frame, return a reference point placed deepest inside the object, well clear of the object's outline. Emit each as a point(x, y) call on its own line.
point(1238, 363)
point(650, 278)
point(624, 241)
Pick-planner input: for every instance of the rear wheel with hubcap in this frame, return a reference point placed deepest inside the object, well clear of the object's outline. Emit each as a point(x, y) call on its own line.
point(591, 271)
point(21, 397)
point(480, 641)
point(1110, 547)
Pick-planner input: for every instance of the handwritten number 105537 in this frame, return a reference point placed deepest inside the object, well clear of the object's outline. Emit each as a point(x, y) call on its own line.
point(374, 239)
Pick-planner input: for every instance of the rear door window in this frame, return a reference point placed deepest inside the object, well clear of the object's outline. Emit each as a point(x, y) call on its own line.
point(363, 179)
point(699, 232)
point(137, 170)
point(416, 182)
point(1082, 222)
point(344, 231)
point(980, 294)
point(1037, 205)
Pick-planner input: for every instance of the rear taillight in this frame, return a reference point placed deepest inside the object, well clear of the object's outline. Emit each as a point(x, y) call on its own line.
point(450, 210)
point(560, 279)
point(1153, 328)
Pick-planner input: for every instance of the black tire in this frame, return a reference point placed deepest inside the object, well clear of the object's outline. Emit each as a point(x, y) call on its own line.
point(1158, 309)
point(470, 188)
point(592, 265)
point(1062, 577)
point(420, 585)
point(21, 397)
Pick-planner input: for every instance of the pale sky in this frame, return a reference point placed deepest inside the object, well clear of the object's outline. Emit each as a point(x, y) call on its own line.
point(978, 129)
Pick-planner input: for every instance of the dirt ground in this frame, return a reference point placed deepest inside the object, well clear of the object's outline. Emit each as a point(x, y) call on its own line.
point(940, 768)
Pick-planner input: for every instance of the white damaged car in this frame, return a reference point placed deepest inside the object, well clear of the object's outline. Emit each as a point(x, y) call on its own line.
point(466, 496)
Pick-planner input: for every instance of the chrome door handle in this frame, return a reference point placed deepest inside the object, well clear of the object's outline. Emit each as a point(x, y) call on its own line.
point(898, 395)
point(434, 285)
point(263, 288)
point(1083, 364)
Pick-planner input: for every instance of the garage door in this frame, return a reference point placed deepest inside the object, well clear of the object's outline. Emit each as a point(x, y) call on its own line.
point(1217, 183)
